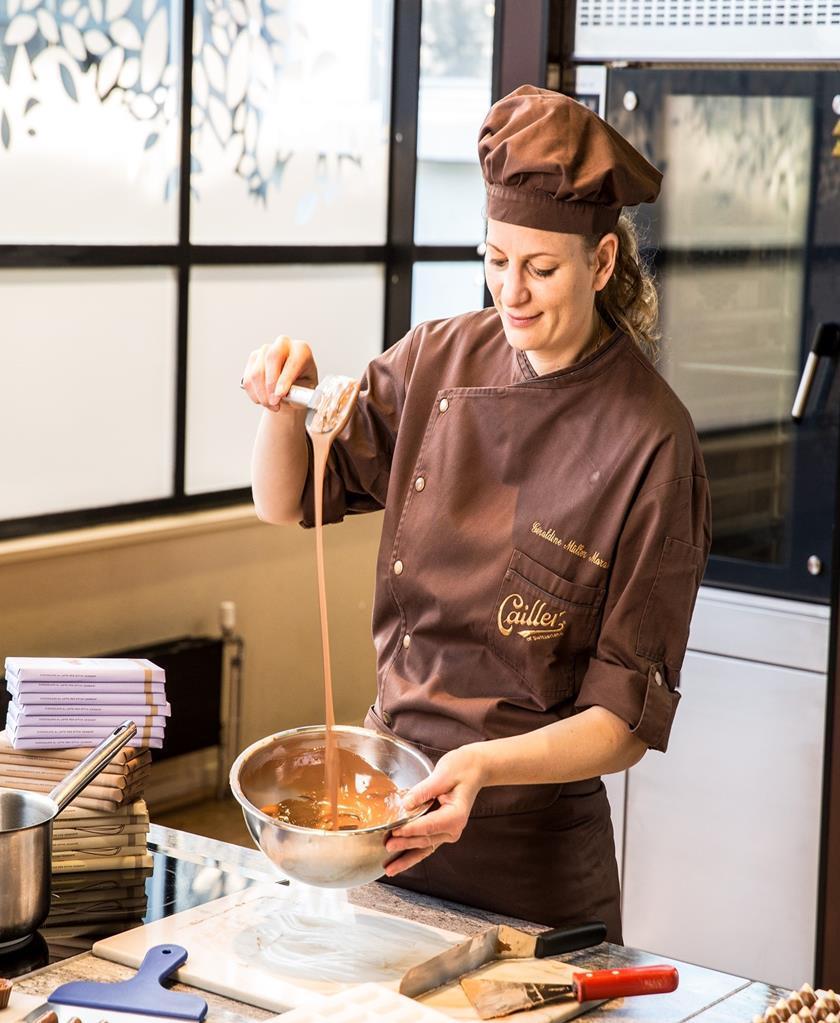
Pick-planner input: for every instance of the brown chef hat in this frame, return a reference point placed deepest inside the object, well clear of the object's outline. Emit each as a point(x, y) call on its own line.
point(550, 163)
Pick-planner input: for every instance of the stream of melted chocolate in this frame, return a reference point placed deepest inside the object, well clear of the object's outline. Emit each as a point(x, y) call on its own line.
point(339, 791)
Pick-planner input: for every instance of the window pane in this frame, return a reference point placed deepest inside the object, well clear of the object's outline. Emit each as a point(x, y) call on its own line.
point(445, 289)
point(233, 310)
point(89, 120)
point(291, 121)
point(89, 419)
point(456, 59)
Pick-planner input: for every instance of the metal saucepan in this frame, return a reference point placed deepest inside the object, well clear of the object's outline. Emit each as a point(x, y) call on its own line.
point(325, 859)
point(26, 820)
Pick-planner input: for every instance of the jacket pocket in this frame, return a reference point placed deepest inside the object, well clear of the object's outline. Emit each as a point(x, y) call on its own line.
point(540, 623)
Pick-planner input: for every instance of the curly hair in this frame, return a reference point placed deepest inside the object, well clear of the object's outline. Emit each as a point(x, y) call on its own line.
point(630, 301)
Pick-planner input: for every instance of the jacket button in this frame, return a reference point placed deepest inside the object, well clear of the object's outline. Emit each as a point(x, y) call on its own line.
point(398, 567)
point(419, 484)
point(406, 641)
point(387, 719)
point(444, 404)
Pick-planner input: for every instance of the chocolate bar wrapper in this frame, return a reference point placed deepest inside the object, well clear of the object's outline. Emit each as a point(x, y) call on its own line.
point(73, 814)
point(91, 718)
point(25, 743)
point(95, 790)
point(73, 734)
point(69, 756)
point(133, 845)
point(86, 885)
point(116, 843)
point(114, 703)
point(79, 687)
point(109, 831)
point(21, 771)
point(68, 669)
point(105, 863)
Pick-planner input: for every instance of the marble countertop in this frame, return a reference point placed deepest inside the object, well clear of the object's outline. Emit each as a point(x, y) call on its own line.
point(706, 996)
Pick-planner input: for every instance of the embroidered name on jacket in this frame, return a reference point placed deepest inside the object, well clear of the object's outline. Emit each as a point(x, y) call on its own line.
point(530, 621)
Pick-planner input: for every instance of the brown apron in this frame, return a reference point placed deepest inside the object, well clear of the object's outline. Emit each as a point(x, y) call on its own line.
point(543, 853)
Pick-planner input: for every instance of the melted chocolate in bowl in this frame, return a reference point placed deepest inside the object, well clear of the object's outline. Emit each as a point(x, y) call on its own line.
point(365, 797)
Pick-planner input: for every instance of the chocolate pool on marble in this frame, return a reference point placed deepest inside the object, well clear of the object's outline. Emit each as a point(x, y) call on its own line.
point(284, 774)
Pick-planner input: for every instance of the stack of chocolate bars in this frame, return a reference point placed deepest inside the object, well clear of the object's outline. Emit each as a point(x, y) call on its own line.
point(60, 709)
point(60, 702)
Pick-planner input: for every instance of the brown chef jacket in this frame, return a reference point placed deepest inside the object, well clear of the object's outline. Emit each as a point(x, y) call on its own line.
point(543, 542)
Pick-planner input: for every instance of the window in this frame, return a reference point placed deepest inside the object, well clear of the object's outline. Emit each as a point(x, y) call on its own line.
point(177, 194)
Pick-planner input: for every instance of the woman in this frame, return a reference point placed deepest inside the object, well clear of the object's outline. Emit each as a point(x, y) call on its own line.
point(546, 526)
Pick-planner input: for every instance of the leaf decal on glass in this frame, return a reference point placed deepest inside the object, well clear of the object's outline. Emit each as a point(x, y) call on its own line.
point(31, 103)
point(67, 82)
point(125, 33)
point(262, 66)
point(47, 25)
point(148, 8)
point(109, 70)
point(266, 154)
point(198, 36)
point(116, 9)
point(237, 81)
point(12, 8)
point(82, 17)
point(73, 42)
point(129, 74)
point(97, 42)
point(219, 118)
point(29, 5)
point(96, 9)
point(69, 8)
point(143, 106)
point(215, 68)
point(239, 12)
point(276, 27)
point(5, 131)
point(153, 56)
point(150, 141)
point(171, 184)
point(220, 40)
point(252, 127)
point(201, 87)
point(21, 29)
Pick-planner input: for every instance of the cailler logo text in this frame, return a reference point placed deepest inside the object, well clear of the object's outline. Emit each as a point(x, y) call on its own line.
point(535, 621)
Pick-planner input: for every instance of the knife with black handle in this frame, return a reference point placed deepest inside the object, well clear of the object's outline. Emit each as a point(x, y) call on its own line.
point(501, 942)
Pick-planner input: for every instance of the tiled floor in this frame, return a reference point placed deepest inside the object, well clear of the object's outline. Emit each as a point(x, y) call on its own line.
point(215, 818)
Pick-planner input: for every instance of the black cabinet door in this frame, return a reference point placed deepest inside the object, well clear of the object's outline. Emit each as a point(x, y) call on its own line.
point(745, 242)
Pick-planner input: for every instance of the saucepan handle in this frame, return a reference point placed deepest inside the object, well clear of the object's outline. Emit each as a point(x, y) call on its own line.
point(632, 980)
point(89, 768)
point(570, 939)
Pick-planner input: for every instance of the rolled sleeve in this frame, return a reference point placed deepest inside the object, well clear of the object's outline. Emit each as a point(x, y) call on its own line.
point(635, 670)
point(644, 701)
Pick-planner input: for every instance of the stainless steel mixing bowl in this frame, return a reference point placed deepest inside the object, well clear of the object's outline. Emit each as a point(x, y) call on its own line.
point(326, 859)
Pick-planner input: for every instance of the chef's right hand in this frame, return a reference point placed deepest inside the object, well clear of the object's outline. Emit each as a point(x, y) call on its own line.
point(272, 369)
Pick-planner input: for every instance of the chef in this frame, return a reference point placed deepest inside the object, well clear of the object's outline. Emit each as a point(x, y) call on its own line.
point(546, 525)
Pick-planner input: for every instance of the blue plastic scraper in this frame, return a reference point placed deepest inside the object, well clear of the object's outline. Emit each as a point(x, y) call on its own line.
point(142, 994)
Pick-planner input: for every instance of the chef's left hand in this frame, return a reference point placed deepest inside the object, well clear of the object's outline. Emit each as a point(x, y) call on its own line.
point(455, 782)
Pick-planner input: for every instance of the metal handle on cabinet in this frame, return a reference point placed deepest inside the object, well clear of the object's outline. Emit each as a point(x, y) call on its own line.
point(826, 342)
